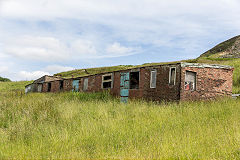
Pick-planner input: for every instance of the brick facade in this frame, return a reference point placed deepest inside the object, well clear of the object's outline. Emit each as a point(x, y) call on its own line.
point(211, 81)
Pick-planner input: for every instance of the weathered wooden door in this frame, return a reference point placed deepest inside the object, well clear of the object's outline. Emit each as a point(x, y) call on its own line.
point(124, 87)
point(75, 85)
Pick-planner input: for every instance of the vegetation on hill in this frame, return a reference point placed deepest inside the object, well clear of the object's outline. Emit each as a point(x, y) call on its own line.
point(4, 79)
point(97, 126)
point(228, 49)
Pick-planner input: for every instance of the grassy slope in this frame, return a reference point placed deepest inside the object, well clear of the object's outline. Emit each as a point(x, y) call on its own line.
point(80, 125)
point(224, 46)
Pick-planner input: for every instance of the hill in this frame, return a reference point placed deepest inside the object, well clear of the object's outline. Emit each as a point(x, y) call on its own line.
point(4, 79)
point(227, 49)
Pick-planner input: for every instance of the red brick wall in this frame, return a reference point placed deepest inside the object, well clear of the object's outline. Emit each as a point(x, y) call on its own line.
point(163, 90)
point(55, 87)
point(45, 85)
point(210, 83)
point(67, 85)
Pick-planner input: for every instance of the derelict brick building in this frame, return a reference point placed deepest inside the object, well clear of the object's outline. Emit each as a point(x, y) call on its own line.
point(178, 81)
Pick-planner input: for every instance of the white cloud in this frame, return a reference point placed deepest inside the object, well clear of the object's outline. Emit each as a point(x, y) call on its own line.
point(57, 68)
point(116, 50)
point(24, 75)
point(36, 48)
point(3, 69)
point(83, 48)
point(51, 49)
point(44, 32)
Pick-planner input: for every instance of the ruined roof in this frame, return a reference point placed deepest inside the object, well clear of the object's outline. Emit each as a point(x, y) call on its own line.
point(202, 65)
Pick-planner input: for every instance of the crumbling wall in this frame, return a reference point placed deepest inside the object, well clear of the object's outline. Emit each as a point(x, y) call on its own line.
point(210, 83)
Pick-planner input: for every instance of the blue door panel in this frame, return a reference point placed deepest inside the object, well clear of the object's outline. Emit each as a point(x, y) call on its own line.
point(124, 87)
point(75, 85)
point(124, 92)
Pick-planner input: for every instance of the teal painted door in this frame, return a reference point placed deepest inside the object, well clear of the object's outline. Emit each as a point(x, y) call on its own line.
point(75, 85)
point(124, 87)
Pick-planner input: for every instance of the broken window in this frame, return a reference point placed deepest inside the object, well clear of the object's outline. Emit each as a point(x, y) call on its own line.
point(107, 81)
point(190, 81)
point(49, 87)
point(172, 76)
point(153, 79)
point(85, 84)
point(61, 85)
point(134, 80)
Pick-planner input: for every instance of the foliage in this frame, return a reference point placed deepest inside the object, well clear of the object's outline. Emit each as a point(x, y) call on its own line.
point(97, 126)
point(220, 47)
point(13, 86)
point(4, 79)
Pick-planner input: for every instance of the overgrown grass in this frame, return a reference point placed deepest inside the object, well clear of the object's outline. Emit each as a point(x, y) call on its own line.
point(97, 126)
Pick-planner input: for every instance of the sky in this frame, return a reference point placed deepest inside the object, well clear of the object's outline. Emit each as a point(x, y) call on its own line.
point(41, 37)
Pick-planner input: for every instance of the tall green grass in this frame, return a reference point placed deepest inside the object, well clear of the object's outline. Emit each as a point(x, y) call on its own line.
point(97, 126)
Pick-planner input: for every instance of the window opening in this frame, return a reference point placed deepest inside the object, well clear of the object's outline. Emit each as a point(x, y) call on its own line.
point(107, 81)
point(85, 84)
point(49, 87)
point(134, 80)
point(153, 79)
point(61, 85)
point(190, 81)
point(172, 76)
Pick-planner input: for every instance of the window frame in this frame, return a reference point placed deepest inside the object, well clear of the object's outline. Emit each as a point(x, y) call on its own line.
point(110, 80)
point(85, 88)
point(195, 83)
point(170, 75)
point(151, 78)
point(138, 79)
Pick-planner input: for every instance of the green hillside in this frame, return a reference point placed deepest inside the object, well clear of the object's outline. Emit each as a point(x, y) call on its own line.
point(227, 49)
point(4, 79)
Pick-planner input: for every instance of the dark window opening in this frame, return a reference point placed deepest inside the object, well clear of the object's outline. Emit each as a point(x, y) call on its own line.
point(105, 78)
point(134, 80)
point(61, 85)
point(107, 84)
point(172, 76)
point(107, 81)
point(49, 87)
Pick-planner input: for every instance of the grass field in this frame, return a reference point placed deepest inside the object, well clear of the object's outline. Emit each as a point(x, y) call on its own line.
point(97, 126)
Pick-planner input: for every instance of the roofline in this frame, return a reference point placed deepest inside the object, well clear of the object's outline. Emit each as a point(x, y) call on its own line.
point(204, 65)
point(183, 64)
point(177, 63)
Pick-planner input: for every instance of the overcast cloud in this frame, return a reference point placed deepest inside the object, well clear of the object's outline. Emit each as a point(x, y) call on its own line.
point(39, 37)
